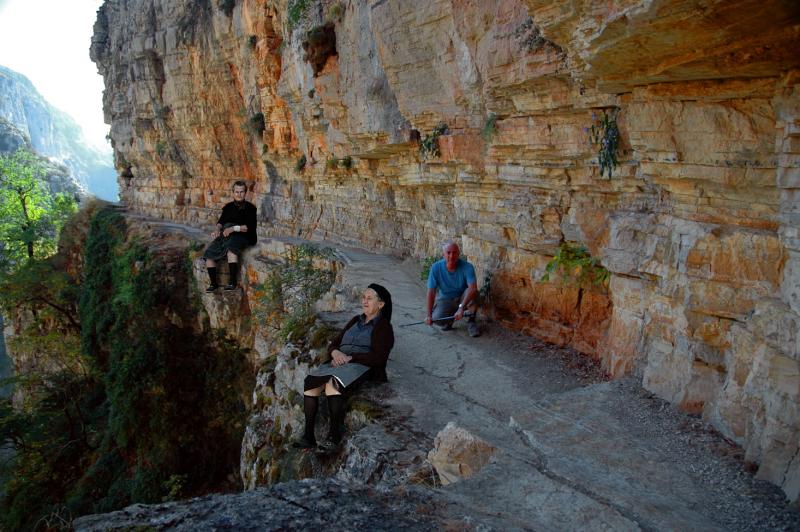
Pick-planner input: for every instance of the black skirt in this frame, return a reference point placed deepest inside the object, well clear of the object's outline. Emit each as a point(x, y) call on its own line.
point(315, 381)
point(220, 246)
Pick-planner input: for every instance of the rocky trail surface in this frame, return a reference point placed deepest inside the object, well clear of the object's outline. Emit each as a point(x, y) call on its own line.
point(550, 445)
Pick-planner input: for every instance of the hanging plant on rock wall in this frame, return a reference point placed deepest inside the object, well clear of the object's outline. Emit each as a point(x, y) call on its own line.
point(605, 135)
point(429, 145)
point(576, 266)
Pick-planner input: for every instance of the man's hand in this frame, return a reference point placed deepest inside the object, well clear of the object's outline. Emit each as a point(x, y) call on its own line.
point(215, 233)
point(339, 358)
point(459, 314)
point(428, 321)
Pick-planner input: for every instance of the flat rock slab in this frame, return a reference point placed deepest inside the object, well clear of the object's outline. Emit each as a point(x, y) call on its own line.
point(298, 505)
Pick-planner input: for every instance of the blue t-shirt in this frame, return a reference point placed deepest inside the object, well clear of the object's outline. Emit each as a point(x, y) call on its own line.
point(451, 284)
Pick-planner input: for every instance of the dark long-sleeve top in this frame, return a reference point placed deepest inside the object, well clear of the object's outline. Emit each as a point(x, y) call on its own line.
point(246, 215)
point(377, 356)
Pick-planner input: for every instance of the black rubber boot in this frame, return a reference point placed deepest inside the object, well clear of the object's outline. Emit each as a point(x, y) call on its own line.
point(233, 268)
point(212, 277)
point(336, 411)
point(308, 440)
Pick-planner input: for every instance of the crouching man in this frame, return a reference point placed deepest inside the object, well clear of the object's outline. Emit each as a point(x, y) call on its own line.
point(452, 290)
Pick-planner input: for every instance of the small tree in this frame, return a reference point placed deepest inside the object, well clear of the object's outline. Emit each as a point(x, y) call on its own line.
point(30, 216)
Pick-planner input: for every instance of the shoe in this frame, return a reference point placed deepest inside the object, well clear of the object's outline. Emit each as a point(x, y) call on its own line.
point(473, 329)
point(447, 326)
point(304, 443)
point(230, 287)
point(212, 288)
point(328, 447)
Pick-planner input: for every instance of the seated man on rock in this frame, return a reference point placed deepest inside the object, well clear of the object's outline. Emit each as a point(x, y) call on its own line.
point(235, 231)
point(452, 289)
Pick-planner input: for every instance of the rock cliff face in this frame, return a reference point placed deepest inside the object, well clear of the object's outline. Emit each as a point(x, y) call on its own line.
point(697, 224)
point(51, 133)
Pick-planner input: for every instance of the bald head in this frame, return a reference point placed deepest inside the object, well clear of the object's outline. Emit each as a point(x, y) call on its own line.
point(451, 253)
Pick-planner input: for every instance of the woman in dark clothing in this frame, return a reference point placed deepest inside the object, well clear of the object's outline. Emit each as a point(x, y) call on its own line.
point(357, 353)
point(236, 230)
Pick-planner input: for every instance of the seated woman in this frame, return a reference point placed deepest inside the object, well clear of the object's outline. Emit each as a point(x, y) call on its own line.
point(357, 353)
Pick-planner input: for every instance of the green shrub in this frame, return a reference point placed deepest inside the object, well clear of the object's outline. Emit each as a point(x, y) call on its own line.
point(256, 124)
point(286, 299)
point(429, 145)
point(426, 264)
point(151, 399)
point(346, 162)
point(605, 135)
point(485, 291)
point(489, 128)
point(252, 41)
point(576, 266)
point(300, 165)
point(331, 163)
point(296, 11)
point(335, 11)
point(161, 148)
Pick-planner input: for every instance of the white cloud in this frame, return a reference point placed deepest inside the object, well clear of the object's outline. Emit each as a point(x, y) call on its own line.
point(48, 42)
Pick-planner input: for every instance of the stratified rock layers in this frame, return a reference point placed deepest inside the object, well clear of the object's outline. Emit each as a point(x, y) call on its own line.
point(699, 223)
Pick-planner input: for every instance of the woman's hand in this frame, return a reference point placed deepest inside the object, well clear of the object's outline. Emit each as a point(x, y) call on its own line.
point(339, 358)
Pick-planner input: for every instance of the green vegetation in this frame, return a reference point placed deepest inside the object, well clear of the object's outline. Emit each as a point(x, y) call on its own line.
point(252, 41)
point(426, 264)
point(577, 266)
point(296, 11)
point(286, 299)
point(335, 11)
point(300, 165)
point(605, 135)
point(256, 124)
point(332, 162)
point(161, 148)
point(484, 292)
point(489, 128)
point(30, 215)
point(429, 145)
point(139, 406)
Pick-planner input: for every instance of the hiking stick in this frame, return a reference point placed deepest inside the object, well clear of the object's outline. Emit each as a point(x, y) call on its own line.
point(466, 315)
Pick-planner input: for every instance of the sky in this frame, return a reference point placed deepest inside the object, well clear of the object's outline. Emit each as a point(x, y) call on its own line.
point(48, 42)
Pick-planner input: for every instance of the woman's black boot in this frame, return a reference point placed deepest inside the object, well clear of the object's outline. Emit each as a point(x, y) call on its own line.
point(307, 441)
point(336, 411)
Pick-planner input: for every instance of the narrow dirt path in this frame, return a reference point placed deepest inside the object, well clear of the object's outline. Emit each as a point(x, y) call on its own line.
point(572, 451)
point(569, 455)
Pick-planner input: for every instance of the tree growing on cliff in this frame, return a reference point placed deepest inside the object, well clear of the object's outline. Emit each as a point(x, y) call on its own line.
point(30, 216)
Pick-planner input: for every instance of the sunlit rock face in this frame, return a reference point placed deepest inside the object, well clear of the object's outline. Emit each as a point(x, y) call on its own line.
point(698, 223)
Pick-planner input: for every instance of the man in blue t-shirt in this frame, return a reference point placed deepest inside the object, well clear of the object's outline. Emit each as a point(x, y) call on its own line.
point(452, 290)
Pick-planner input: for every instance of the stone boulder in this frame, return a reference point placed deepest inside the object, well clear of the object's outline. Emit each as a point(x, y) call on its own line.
point(458, 454)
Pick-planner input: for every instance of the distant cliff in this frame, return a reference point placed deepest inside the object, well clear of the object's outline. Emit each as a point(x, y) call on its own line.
point(52, 133)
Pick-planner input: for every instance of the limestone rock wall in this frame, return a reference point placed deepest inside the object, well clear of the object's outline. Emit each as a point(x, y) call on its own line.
point(698, 224)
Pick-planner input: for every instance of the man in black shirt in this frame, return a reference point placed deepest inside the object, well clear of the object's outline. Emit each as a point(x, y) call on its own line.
point(236, 230)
